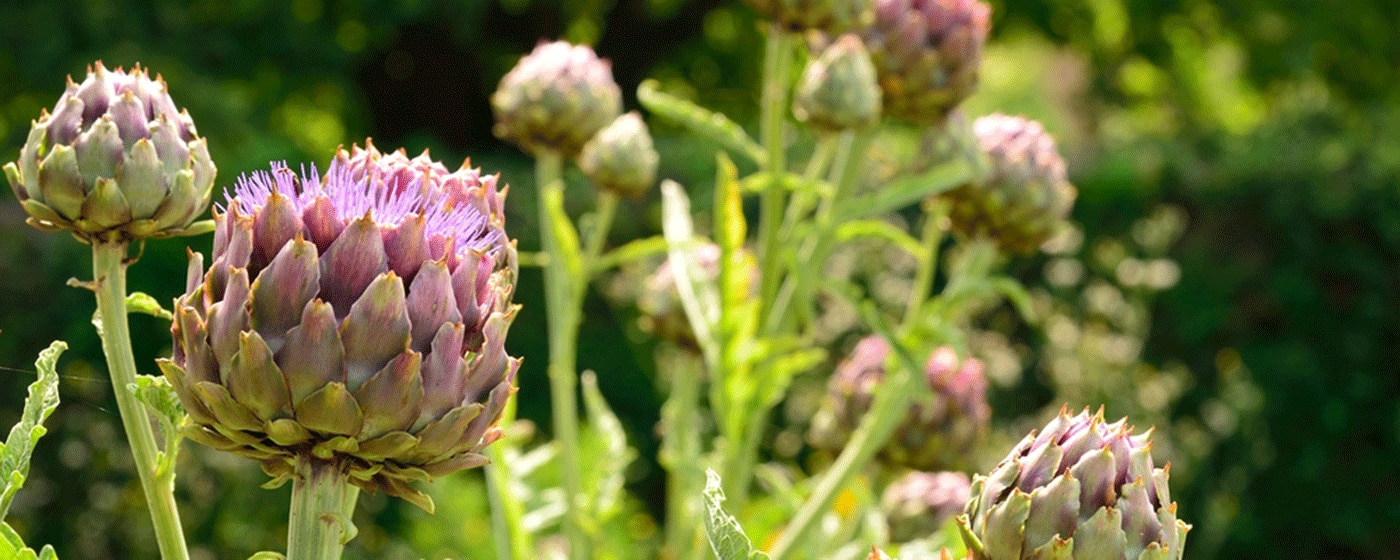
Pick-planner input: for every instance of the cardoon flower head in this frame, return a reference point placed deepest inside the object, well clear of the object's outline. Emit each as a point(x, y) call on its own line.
point(356, 318)
point(1080, 488)
point(621, 157)
point(928, 54)
point(555, 99)
point(827, 16)
point(1027, 195)
point(115, 161)
point(918, 504)
point(838, 90)
point(937, 434)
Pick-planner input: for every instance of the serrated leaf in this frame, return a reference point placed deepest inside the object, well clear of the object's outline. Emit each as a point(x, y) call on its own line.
point(610, 442)
point(700, 120)
point(727, 538)
point(905, 191)
point(160, 399)
point(19, 446)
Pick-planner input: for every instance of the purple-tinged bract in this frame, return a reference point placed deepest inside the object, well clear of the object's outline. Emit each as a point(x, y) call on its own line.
point(357, 316)
point(555, 99)
point(928, 54)
point(919, 503)
point(1079, 488)
point(114, 162)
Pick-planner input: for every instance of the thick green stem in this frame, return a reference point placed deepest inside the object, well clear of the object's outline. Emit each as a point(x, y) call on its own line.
point(777, 67)
point(109, 274)
point(598, 232)
point(323, 501)
point(680, 452)
point(562, 307)
point(892, 402)
point(936, 213)
point(508, 532)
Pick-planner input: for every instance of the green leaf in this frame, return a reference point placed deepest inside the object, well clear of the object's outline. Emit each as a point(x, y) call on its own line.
point(882, 230)
point(609, 448)
point(565, 238)
point(632, 251)
point(905, 191)
point(267, 555)
point(699, 297)
point(19, 447)
point(1014, 292)
point(159, 397)
point(700, 120)
point(138, 302)
point(727, 538)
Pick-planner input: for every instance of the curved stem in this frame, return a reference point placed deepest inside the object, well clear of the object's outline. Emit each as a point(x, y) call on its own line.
point(109, 274)
point(928, 262)
point(562, 308)
point(601, 224)
point(776, 69)
point(323, 501)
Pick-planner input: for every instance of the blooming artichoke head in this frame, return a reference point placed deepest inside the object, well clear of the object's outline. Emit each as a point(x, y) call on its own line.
point(1080, 488)
point(555, 99)
point(115, 161)
point(838, 90)
point(827, 16)
point(621, 157)
point(928, 54)
point(357, 317)
point(937, 433)
point(919, 503)
point(1027, 195)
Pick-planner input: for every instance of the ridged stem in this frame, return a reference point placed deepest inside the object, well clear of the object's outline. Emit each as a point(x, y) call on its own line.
point(562, 308)
point(777, 66)
point(323, 501)
point(109, 275)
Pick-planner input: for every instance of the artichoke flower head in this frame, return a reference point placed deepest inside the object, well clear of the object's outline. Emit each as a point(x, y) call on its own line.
point(555, 99)
point(115, 161)
point(928, 54)
point(358, 317)
point(1080, 488)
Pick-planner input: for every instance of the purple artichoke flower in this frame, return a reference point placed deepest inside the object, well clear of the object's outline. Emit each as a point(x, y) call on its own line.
point(357, 317)
point(928, 54)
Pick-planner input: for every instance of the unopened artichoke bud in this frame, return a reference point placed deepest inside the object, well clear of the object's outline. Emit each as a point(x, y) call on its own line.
point(115, 161)
point(555, 99)
point(919, 503)
point(621, 157)
point(1080, 488)
point(928, 54)
point(352, 319)
point(827, 16)
point(838, 91)
point(938, 434)
point(1026, 196)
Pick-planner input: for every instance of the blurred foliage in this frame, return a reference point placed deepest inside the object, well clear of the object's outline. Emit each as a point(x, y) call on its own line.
point(1272, 127)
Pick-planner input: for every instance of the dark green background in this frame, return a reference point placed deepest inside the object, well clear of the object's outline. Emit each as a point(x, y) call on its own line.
point(1274, 123)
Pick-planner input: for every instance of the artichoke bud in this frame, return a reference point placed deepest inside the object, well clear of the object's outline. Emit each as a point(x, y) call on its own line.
point(1079, 488)
point(555, 99)
point(839, 91)
point(1025, 196)
point(928, 54)
point(826, 16)
point(936, 434)
point(358, 317)
point(115, 161)
point(621, 157)
point(919, 503)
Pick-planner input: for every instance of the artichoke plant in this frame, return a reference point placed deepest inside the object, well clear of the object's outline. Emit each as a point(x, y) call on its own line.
point(621, 158)
point(1080, 488)
point(928, 54)
point(828, 16)
point(1027, 195)
point(919, 503)
point(838, 90)
point(115, 161)
point(555, 99)
point(936, 434)
point(356, 318)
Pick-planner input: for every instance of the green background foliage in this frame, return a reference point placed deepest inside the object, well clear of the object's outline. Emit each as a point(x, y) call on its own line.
point(1274, 125)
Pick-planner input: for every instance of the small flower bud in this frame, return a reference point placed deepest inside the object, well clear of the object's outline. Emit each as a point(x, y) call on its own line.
point(621, 157)
point(838, 91)
point(555, 99)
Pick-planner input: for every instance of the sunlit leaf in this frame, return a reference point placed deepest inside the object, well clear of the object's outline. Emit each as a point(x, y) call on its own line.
point(609, 449)
point(700, 120)
point(727, 538)
point(905, 191)
point(19, 446)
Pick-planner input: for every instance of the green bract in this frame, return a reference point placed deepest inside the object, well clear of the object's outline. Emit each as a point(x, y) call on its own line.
point(1080, 489)
point(1026, 197)
point(356, 318)
point(621, 157)
point(555, 99)
point(838, 90)
point(114, 161)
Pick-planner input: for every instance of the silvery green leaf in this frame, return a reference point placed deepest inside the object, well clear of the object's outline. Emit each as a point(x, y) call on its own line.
point(605, 485)
point(727, 538)
point(699, 298)
point(159, 397)
point(19, 446)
